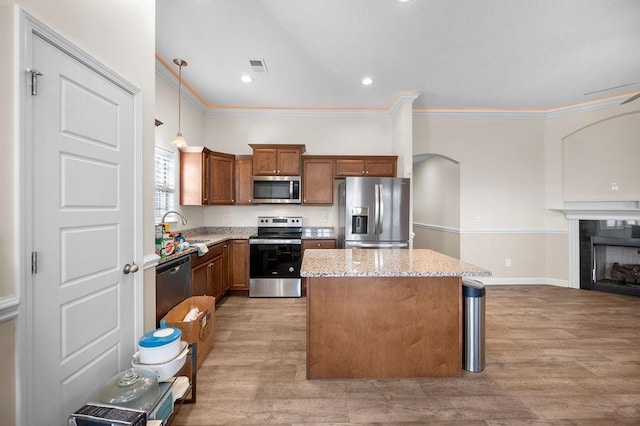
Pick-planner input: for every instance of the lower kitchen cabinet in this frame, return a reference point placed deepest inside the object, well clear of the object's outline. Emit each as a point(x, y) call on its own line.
point(239, 265)
point(207, 273)
point(224, 268)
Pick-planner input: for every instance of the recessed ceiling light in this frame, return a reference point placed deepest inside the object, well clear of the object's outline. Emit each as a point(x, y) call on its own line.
point(246, 79)
point(367, 81)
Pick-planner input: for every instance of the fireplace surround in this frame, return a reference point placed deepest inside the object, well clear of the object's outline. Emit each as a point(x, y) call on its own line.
point(610, 256)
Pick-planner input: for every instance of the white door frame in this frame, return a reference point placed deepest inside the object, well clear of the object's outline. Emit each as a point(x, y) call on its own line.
point(26, 26)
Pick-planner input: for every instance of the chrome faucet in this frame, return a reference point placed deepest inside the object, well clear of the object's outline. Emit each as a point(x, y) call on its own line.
point(184, 220)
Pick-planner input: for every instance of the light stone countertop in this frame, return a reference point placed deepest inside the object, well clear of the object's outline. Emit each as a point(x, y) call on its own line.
point(208, 239)
point(385, 263)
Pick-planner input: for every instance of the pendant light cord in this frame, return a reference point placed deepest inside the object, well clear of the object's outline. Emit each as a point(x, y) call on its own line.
point(179, 98)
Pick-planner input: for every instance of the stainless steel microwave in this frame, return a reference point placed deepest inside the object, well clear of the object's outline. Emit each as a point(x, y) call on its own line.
point(276, 190)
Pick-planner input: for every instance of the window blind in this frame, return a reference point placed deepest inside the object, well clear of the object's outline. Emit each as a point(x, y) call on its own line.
point(165, 182)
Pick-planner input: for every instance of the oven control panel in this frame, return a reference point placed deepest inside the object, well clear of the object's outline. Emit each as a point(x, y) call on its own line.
point(280, 221)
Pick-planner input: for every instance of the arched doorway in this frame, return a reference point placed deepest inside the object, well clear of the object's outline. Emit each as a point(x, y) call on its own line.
point(436, 203)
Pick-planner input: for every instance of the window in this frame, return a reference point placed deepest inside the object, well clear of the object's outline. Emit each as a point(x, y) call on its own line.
point(165, 183)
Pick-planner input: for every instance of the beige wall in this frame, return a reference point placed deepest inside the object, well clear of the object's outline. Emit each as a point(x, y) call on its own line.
point(121, 35)
point(501, 186)
point(601, 156)
point(447, 242)
point(7, 377)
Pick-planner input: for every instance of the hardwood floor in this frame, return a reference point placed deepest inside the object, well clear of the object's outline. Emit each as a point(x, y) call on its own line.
point(554, 356)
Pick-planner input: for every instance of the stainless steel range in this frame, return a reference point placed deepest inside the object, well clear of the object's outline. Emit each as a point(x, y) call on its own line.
point(275, 258)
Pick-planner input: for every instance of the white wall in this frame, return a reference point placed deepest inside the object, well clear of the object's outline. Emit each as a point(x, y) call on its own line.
point(121, 35)
point(191, 127)
point(323, 134)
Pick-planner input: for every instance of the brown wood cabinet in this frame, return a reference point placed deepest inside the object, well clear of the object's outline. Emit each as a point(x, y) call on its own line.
point(222, 188)
point(381, 166)
point(276, 160)
point(317, 181)
point(239, 265)
point(244, 172)
point(206, 177)
point(318, 244)
point(206, 273)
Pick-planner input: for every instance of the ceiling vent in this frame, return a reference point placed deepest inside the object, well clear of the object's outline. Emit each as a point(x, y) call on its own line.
point(258, 65)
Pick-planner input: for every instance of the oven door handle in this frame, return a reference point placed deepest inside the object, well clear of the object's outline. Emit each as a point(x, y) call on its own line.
point(274, 241)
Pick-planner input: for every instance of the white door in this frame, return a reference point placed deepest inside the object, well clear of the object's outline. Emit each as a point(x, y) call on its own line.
point(83, 228)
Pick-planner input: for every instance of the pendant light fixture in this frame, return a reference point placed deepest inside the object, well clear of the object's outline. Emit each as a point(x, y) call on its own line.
point(179, 141)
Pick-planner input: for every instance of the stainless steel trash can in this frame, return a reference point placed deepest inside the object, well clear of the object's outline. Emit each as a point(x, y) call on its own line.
point(473, 312)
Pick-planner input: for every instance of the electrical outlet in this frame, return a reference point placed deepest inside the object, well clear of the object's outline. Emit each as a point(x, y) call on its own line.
point(614, 186)
point(507, 263)
point(224, 218)
point(325, 218)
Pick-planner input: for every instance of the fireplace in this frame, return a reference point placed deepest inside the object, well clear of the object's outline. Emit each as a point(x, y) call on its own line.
point(610, 256)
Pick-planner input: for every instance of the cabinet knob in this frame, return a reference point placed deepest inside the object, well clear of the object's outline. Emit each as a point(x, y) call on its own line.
point(363, 172)
point(318, 244)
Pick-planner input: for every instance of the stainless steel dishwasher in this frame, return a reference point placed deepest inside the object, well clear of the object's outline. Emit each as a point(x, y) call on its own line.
point(173, 285)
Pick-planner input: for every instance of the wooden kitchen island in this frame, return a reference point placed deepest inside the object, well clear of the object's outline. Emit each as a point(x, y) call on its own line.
point(384, 313)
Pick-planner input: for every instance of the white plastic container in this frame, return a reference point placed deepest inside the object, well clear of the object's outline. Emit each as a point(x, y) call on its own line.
point(159, 345)
point(166, 370)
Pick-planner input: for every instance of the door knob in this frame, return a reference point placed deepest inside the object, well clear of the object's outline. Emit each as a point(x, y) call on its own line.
point(133, 268)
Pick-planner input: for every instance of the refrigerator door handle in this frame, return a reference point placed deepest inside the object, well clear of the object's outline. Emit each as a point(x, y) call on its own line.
point(381, 207)
point(376, 208)
point(356, 244)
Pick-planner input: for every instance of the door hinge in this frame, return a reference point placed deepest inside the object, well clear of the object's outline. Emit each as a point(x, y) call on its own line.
point(34, 81)
point(34, 262)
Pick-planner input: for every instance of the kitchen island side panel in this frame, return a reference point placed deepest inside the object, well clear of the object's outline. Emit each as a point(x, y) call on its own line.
point(384, 327)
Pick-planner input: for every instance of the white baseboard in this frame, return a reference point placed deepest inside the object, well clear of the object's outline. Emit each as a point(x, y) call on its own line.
point(524, 281)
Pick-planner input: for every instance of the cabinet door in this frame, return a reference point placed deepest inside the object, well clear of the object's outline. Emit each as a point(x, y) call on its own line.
point(265, 161)
point(244, 186)
point(239, 265)
point(317, 181)
point(200, 280)
point(215, 278)
point(226, 266)
point(350, 167)
point(318, 244)
point(194, 178)
point(383, 167)
point(288, 162)
point(222, 179)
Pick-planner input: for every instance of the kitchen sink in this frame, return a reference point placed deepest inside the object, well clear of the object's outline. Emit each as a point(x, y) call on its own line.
point(197, 241)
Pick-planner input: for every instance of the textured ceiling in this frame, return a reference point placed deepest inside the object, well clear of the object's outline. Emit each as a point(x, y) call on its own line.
point(495, 54)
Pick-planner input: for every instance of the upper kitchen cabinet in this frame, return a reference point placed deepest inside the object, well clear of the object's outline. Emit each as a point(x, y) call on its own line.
point(222, 187)
point(206, 177)
point(244, 172)
point(317, 180)
point(276, 160)
point(380, 166)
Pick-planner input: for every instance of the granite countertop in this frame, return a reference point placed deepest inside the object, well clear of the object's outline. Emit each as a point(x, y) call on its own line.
point(385, 263)
point(209, 238)
point(318, 234)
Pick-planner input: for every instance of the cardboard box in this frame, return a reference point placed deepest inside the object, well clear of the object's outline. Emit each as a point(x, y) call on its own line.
point(201, 331)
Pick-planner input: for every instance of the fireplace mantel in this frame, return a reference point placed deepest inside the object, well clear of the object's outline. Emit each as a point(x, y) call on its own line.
point(601, 210)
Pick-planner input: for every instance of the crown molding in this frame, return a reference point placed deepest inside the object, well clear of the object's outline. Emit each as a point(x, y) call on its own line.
point(165, 71)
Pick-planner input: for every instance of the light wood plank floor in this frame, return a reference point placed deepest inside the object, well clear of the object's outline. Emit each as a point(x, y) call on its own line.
point(554, 356)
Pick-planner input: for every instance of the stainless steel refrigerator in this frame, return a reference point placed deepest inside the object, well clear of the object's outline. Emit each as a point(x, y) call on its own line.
point(373, 212)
